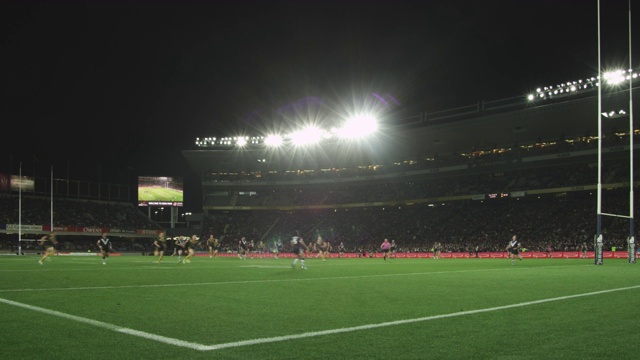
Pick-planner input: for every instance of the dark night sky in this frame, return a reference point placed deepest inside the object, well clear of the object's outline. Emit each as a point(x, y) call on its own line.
point(113, 90)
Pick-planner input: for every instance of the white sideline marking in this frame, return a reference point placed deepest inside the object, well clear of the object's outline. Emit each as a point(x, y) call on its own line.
point(265, 266)
point(108, 326)
point(275, 280)
point(200, 347)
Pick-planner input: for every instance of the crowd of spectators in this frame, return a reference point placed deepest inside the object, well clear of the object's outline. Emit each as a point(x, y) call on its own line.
point(560, 222)
point(10, 243)
point(36, 210)
point(473, 158)
point(503, 181)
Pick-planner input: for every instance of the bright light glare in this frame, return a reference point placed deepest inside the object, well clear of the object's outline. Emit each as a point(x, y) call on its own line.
point(358, 126)
point(273, 140)
point(242, 141)
point(306, 136)
point(614, 77)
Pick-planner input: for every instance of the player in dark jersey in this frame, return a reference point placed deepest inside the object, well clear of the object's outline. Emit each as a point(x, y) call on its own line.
point(160, 245)
point(214, 246)
point(513, 248)
point(243, 248)
point(299, 249)
point(437, 249)
point(322, 247)
point(341, 249)
point(48, 243)
point(261, 249)
point(252, 248)
point(277, 248)
point(583, 251)
point(392, 249)
point(189, 248)
point(327, 252)
point(104, 243)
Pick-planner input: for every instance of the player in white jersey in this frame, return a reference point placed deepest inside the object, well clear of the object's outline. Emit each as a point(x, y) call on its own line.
point(181, 245)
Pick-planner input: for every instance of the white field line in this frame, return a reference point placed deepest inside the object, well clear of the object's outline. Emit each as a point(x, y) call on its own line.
point(108, 326)
point(272, 280)
point(201, 347)
point(402, 322)
point(265, 266)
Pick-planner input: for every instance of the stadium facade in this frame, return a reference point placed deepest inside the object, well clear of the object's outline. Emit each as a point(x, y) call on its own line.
point(492, 137)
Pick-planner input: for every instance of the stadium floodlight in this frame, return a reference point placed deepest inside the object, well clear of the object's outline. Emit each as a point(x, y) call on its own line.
point(257, 140)
point(614, 114)
point(241, 141)
point(614, 77)
point(530, 97)
point(273, 140)
point(358, 126)
point(307, 136)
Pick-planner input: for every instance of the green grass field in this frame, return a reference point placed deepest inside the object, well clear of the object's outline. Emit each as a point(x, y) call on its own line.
point(226, 308)
point(156, 193)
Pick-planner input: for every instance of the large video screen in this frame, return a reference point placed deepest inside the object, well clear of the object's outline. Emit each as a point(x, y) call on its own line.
point(160, 190)
point(22, 183)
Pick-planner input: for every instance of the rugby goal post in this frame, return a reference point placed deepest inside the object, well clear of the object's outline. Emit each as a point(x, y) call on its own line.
point(598, 239)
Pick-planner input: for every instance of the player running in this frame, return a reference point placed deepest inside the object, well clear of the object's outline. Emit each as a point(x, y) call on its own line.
point(513, 248)
point(105, 247)
point(299, 249)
